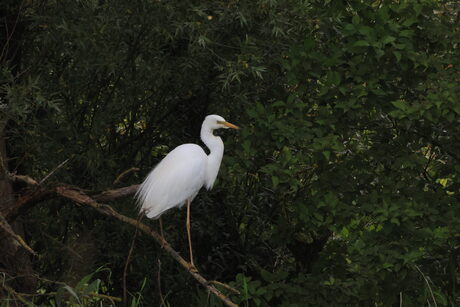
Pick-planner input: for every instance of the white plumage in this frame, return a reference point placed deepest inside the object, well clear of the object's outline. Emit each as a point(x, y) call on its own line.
point(176, 179)
point(183, 172)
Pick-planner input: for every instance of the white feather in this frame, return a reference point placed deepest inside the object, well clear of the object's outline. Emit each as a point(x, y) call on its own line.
point(176, 179)
point(183, 172)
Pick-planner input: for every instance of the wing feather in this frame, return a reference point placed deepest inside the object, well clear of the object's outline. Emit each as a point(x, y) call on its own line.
point(177, 178)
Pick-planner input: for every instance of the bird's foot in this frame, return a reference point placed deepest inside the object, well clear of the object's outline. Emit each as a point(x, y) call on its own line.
point(192, 268)
point(163, 242)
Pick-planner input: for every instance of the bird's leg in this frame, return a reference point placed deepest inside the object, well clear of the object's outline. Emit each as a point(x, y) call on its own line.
point(161, 233)
point(192, 267)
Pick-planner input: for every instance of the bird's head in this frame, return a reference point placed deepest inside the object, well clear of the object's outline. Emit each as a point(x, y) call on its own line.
point(214, 122)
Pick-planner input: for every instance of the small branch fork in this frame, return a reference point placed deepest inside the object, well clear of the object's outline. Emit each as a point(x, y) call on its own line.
point(26, 201)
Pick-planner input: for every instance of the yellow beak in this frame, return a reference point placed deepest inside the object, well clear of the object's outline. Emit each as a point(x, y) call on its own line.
point(229, 125)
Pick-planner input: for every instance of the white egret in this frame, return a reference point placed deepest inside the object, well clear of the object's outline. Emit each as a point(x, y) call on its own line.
point(176, 180)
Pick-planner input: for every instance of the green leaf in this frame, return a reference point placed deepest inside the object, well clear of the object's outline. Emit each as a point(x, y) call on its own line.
point(93, 287)
point(399, 104)
point(388, 39)
point(73, 293)
point(308, 44)
point(387, 265)
point(409, 22)
point(361, 43)
point(443, 182)
point(367, 31)
point(333, 78)
point(318, 216)
point(344, 233)
point(83, 283)
point(275, 181)
point(355, 19)
point(406, 33)
point(456, 109)
point(418, 9)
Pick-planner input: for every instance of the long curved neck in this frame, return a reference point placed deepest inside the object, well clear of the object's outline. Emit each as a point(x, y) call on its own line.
point(216, 151)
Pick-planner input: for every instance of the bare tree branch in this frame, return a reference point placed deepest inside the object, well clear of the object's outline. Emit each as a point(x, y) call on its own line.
point(39, 193)
point(81, 198)
point(225, 286)
point(7, 228)
point(132, 169)
point(26, 179)
point(26, 201)
point(54, 170)
point(116, 193)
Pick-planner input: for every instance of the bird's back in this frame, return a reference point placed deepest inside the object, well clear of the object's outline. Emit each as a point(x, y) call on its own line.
point(176, 179)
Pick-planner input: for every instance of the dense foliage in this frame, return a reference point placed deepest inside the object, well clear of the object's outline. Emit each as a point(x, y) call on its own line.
point(342, 188)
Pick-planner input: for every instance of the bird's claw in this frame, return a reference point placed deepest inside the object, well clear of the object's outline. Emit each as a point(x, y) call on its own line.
point(192, 268)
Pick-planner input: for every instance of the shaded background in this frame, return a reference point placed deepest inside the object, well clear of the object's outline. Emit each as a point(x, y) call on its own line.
point(342, 188)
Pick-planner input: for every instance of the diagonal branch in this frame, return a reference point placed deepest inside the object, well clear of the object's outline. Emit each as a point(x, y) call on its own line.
point(7, 228)
point(81, 198)
point(16, 295)
point(116, 193)
point(20, 178)
point(39, 194)
point(123, 174)
point(25, 202)
point(54, 170)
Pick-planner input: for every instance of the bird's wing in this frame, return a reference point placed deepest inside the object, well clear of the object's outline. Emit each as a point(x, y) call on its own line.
point(178, 177)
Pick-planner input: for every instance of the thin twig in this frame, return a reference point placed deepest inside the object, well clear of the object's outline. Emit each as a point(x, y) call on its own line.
point(107, 297)
point(17, 295)
point(53, 294)
point(225, 286)
point(54, 170)
point(7, 228)
point(159, 283)
point(125, 270)
point(132, 169)
point(10, 35)
point(430, 158)
point(70, 250)
point(428, 284)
